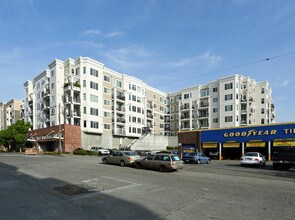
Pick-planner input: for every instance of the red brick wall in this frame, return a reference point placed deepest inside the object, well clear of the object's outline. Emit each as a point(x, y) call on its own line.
point(72, 137)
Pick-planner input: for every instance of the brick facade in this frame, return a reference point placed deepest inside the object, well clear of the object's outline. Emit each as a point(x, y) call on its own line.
point(49, 137)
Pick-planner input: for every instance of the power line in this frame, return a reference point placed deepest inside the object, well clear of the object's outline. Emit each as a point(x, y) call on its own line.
point(229, 68)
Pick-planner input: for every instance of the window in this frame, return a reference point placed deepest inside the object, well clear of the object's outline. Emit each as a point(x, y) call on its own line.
point(262, 111)
point(52, 73)
point(228, 108)
point(52, 85)
point(94, 98)
point(77, 71)
point(85, 124)
point(204, 93)
point(228, 118)
point(119, 84)
point(215, 89)
point(107, 114)
point(107, 126)
point(215, 110)
point(94, 124)
point(228, 86)
point(133, 87)
point(106, 90)
point(94, 111)
point(215, 120)
point(215, 99)
point(186, 96)
point(107, 102)
point(84, 83)
point(106, 78)
point(93, 85)
point(138, 110)
point(134, 119)
point(228, 97)
point(84, 71)
point(262, 101)
point(84, 96)
point(85, 111)
point(262, 90)
point(134, 108)
point(93, 72)
point(134, 98)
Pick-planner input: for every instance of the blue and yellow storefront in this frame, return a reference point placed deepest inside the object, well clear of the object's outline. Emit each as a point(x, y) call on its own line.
point(232, 143)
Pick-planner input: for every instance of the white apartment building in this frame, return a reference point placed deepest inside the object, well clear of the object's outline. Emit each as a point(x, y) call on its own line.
point(10, 112)
point(227, 102)
point(115, 109)
point(110, 107)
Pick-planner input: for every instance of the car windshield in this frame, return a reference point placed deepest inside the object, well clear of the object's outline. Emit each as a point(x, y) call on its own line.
point(251, 154)
point(175, 158)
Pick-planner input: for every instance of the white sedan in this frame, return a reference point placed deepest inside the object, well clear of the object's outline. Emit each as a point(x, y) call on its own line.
point(253, 158)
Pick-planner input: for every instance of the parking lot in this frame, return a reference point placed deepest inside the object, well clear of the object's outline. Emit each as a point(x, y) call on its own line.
point(81, 187)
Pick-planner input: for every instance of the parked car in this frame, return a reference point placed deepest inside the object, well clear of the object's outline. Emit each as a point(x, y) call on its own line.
point(174, 152)
point(195, 157)
point(143, 152)
point(121, 158)
point(100, 150)
point(253, 158)
point(162, 162)
point(284, 158)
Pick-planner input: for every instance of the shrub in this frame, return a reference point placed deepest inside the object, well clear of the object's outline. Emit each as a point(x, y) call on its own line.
point(171, 148)
point(80, 151)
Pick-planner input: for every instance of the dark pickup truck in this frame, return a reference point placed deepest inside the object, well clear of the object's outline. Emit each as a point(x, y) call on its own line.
point(284, 158)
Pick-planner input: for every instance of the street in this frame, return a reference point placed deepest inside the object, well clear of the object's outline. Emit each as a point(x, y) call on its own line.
point(81, 187)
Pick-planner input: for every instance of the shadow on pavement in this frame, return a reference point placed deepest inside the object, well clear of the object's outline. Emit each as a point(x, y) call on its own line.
point(26, 197)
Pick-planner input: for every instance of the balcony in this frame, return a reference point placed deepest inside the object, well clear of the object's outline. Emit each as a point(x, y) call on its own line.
point(150, 116)
point(204, 105)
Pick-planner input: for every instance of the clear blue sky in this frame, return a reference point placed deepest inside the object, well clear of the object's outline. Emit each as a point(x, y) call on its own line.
point(170, 44)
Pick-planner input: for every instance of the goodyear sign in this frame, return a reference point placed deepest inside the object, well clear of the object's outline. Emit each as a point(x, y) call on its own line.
point(246, 134)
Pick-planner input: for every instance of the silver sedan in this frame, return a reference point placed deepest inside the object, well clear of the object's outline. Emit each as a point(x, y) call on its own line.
point(253, 158)
point(121, 158)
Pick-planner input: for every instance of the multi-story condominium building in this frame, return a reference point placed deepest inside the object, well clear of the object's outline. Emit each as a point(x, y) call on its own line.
point(227, 102)
point(10, 112)
point(110, 107)
point(113, 109)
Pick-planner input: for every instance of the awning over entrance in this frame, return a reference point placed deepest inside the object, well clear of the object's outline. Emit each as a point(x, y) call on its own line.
point(231, 145)
point(284, 143)
point(209, 145)
point(255, 144)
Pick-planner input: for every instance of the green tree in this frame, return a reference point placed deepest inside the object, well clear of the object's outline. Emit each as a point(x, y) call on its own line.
point(15, 135)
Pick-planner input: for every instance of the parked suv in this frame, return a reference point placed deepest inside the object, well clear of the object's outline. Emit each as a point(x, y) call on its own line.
point(100, 150)
point(284, 158)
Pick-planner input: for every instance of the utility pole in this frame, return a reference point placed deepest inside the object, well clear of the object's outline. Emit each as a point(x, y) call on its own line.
point(59, 129)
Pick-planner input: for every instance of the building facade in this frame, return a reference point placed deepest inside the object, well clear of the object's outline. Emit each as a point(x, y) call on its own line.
point(115, 110)
point(111, 108)
point(227, 102)
point(10, 112)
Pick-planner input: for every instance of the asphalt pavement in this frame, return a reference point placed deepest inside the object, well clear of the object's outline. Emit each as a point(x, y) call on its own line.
point(81, 187)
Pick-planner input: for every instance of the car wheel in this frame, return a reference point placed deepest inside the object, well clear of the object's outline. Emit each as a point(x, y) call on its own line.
point(208, 161)
point(242, 165)
point(138, 166)
point(122, 163)
point(162, 169)
point(104, 161)
point(198, 161)
point(99, 153)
